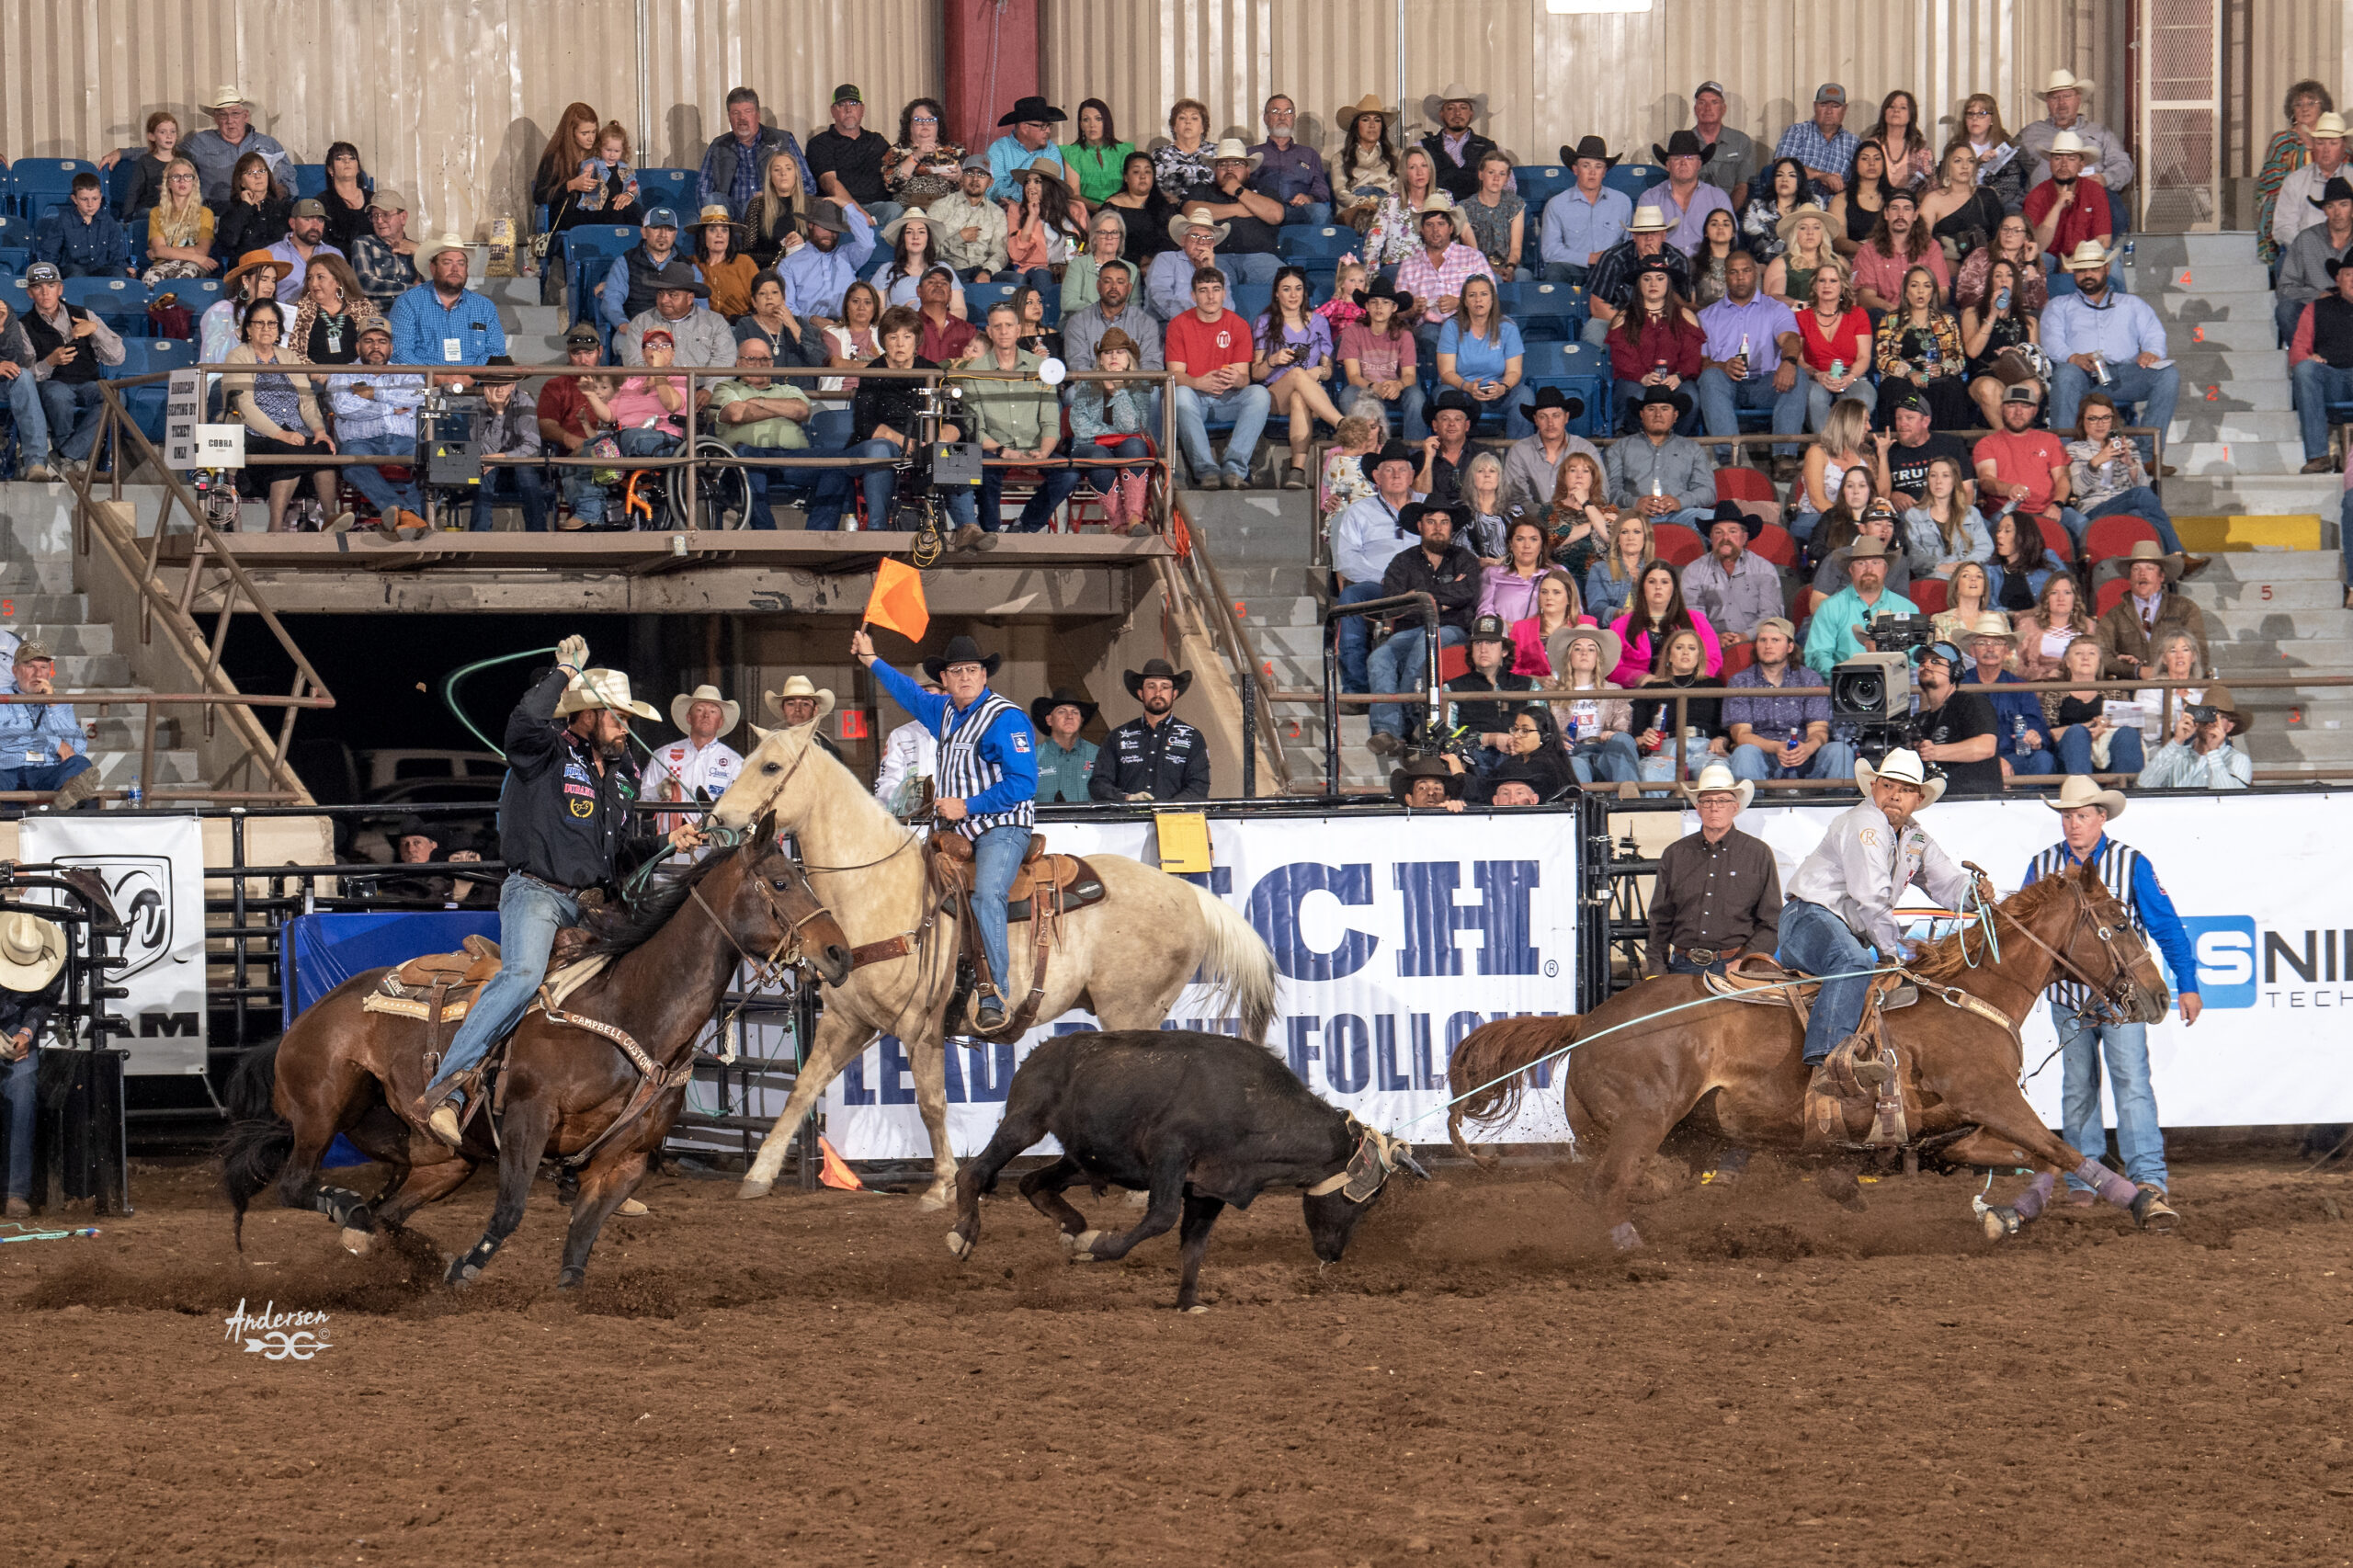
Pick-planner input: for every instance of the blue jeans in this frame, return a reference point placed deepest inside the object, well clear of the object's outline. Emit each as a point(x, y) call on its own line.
point(32, 420)
point(997, 855)
point(2032, 764)
point(2318, 385)
point(2286, 313)
point(820, 491)
point(1722, 399)
point(1053, 488)
point(1256, 267)
point(19, 1088)
point(1613, 759)
point(75, 408)
point(880, 481)
point(1356, 633)
point(524, 485)
point(1832, 762)
point(2082, 1044)
point(1246, 407)
point(1628, 393)
point(529, 915)
point(2126, 753)
point(1413, 423)
point(2142, 502)
point(47, 775)
point(381, 493)
point(1102, 479)
point(1814, 940)
point(1566, 272)
point(1314, 214)
point(1398, 665)
point(2155, 393)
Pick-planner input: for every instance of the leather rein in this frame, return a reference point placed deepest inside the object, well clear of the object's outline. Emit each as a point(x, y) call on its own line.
point(2113, 993)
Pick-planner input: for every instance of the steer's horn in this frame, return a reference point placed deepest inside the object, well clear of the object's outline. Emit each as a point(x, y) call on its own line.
point(1403, 1154)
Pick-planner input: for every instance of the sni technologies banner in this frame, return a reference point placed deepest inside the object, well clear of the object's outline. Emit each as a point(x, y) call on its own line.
point(1393, 936)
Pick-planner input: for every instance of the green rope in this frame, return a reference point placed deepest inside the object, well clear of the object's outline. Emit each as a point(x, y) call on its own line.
point(449, 697)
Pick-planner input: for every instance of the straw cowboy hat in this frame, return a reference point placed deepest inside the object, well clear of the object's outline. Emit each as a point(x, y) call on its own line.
point(2079, 791)
point(2150, 550)
point(1401, 779)
point(227, 95)
point(1369, 103)
point(2064, 82)
point(251, 261)
point(2068, 142)
point(1230, 148)
point(1601, 637)
point(1197, 216)
point(601, 689)
point(684, 700)
point(1717, 779)
point(797, 685)
point(888, 235)
point(1993, 623)
point(2218, 697)
point(1903, 766)
point(31, 952)
point(2330, 125)
point(448, 243)
point(1454, 93)
point(1788, 228)
point(1156, 669)
point(1649, 220)
point(717, 213)
point(2086, 256)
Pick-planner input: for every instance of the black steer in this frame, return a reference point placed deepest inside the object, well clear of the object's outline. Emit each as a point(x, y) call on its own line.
point(1198, 1121)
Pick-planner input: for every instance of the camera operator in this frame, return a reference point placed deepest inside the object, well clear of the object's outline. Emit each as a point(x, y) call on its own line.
point(1956, 728)
point(33, 967)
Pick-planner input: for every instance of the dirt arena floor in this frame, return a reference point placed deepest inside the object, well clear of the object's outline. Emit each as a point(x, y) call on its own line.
point(811, 1380)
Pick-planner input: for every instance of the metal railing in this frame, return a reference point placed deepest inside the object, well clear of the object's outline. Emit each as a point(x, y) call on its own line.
point(1423, 605)
point(1193, 582)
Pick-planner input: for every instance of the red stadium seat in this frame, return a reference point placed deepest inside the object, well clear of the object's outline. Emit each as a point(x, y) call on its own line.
point(1737, 657)
point(2113, 589)
point(2055, 535)
point(1763, 511)
point(1452, 662)
point(1778, 545)
point(1745, 484)
point(1678, 546)
point(1930, 594)
point(2110, 537)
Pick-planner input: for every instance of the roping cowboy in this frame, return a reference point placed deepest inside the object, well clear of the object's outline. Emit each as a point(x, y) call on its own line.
point(2084, 811)
point(564, 831)
point(987, 783)
point(1841, 917)
point(1154, 755)
point(32, 969)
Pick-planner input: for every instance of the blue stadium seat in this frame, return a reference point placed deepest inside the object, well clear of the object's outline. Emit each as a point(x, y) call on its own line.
point(308, 179)
point(979, 297)
point(198, 294)
point(41, 181)
point(1539, 183)
point(1250, 300)
point(1633, 179)
point(1300, 243)
point(14, 259)
point(119, 181)
point(149, 356)
point(673, 189)
point(108, 296)
point(1555, 312)
point(1579, 370)
point(15, 230)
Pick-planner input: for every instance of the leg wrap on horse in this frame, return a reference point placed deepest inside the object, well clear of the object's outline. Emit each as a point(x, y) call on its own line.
point(2037, 1195)
point(339, 1203)
point(2106, 1182)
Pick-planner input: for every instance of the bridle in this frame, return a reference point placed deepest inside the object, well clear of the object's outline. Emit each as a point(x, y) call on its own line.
point(2119, 992)
point(789, 950)
point(912, 837)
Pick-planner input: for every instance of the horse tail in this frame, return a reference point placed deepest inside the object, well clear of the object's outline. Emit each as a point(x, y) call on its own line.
point(259, 1140)
point(1488, 1071)
point(1238, 963)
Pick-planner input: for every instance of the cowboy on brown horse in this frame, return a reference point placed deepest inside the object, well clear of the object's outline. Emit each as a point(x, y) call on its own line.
point(564, 831)
point(1842, 903)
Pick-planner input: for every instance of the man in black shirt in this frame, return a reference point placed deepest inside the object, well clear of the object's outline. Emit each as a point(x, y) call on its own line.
point(1718, 893)
point(1154, 757)
point(1905, 453)
point(1454, 148)
point(1446, 452)
point(1489, 723)
point(1957, 729)
point(848, 160)
point(1448, 572)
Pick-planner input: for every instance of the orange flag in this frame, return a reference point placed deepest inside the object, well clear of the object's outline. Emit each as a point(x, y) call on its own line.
point(836, 1171)
point(897, 601)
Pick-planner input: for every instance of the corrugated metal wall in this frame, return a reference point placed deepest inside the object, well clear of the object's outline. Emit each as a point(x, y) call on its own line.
point(449, 102)
point(2281, 44)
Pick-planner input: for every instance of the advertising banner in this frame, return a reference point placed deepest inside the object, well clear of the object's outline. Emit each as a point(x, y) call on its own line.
point(153, 869)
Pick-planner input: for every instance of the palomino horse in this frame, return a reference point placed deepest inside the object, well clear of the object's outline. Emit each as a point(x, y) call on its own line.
point(1625, 1089)
point(340, 1069)
point(1124, 960)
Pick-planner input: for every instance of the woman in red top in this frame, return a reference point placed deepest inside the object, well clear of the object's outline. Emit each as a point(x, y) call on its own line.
point(1838, 337)
point(1655, 343)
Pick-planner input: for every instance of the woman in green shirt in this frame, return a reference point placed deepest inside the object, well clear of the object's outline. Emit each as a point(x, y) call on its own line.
point(1095, 159)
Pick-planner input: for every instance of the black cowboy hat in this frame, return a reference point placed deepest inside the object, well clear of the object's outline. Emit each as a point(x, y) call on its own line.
point(415, 826)
point(1156, 669)
point(1401, 780)
point(2337, 189)
point(961, 651)
point(1410, 515)
point(1673, 399)
point(1458, 400)
point(1031, 108)
point(1589, 147)
point(1392, 451)
point(1514, 770)
point(1553, 397)
point(1043, 708)
point(681, 274)
point(1383, 289)
point(1682, 144)
point(1730, 512)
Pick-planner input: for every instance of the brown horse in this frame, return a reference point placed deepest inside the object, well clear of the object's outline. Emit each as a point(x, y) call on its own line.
point(1636, 1076)
point(340, 1069)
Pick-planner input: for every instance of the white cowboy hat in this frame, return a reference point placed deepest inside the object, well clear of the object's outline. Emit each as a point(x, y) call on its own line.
point(1454, 93)
point(601, 689)
point(680, 704)
point(1649, 220)
point(2068, 142)
point(1235, 147)
point(1717, 779)
point(2086, 256)
point(449, 242)
point(797, 685)
point(1903, 766)
point(2064, 82)
point(2080, 791)
point(31, 952)
point(1993, 623)
point(1197, 216)
point(225, 96)
point(2330, 124)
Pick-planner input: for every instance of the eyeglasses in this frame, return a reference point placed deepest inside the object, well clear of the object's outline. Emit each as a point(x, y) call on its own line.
point(924, 119)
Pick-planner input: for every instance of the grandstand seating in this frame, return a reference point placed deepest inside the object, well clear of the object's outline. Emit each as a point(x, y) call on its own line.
point(1931, 594)
point(1553, 312)
point(1633, 179)
point(2115, 535)
point(1539, 183)
point(1580, 371)
point(35, 183)
point(1300, 243)
point(1775, 543)
point(1737, 657)
point(1678, 547)
point(2109, 594)
point(2054, 534)
point(674, 188)
point(108, 296)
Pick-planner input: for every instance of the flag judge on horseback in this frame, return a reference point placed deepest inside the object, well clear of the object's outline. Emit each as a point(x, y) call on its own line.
point(564, 831)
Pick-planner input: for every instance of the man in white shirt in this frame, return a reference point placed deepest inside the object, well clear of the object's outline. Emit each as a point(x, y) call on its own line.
point(1365, 539)
point(2298, 207)
point(910, 753)
point(701, 766)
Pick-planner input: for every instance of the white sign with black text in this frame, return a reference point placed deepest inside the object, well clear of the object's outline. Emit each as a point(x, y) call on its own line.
point(153, 870)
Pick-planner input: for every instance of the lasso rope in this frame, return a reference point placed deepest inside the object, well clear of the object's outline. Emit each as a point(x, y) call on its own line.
point(449, 697)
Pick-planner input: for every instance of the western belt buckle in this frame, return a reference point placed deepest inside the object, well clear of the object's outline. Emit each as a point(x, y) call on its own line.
point(1703, 957)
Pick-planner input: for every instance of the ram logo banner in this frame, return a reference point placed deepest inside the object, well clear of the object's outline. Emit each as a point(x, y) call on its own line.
point(154, 871)
point(141, 887)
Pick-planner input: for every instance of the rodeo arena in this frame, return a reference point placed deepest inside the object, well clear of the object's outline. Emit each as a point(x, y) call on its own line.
point(739, 732)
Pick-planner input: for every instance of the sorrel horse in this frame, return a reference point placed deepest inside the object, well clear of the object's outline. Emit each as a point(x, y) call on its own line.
point(341, 1069)
point(1124, 960)
point(1630, 1086)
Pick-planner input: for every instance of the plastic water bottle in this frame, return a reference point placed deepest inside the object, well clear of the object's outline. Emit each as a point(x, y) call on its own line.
point(134, 797)
point(1837, 370)
point(2001, 301)
point(2017, 730)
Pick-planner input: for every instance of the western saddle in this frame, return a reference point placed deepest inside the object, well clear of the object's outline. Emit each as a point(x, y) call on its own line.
point(1865, 1066)
point(1046, 888)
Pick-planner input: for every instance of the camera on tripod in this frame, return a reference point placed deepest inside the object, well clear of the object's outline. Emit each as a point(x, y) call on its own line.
point(1872, 691)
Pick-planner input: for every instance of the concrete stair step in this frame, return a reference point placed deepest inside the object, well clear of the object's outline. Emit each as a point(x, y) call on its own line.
point(2274, 749)
point(2205, 304)
point(2192, 494)
point(88, 672)
point(2256, 393)
point(2206, 362)
point(34, 576)
point(2279, 623)
point(2245, 332)
point(2305, 594)
point(2208, 424)
point(2155, 253)
point(67, 638)
point(2265, 566)
point(117, 768)
point(2215, 276)
point(34, 606)
point(2217, 458)
point(2315, 655)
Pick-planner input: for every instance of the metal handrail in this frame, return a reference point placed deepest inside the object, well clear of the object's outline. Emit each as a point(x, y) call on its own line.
point(1422, 604)
point(1213, 606)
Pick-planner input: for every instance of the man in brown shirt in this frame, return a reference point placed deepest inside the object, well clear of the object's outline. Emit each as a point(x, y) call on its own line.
point(1718, 893)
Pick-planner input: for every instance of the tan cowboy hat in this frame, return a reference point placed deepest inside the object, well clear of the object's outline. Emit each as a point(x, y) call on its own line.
point(447, 243)
point(1903, 766)
point(1454, 93)
point(1717, 779)
point(2080, 791)
point(601, 689)
point(253, 261)
point(1050, 170)
point(1788, 228)
point(892, 229)
point(717, 213)
point(1437, 204)
point(2219, 695)
point(1612, 649)
point(1369, 103)
point(2150, 550)
point(684, 700)
point(2064, 82)
point(1231, 147)
point(1869, 547)
point(1993, 623)
point(1197, 216)
point(2068, 142)
point(31, 952)
point(1649, 220)
point(2086, 256)
point(797, 685)
point(226, 96)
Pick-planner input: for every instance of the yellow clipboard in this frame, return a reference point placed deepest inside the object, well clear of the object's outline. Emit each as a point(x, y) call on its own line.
point(1184, 840)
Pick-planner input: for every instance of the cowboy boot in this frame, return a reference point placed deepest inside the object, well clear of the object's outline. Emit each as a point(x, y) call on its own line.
point(1134, 489)
point(1114, 497)
point(76, 790)
point(446, 1123)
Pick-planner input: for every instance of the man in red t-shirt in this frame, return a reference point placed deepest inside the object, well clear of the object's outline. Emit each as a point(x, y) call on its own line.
point(1208, 358)
point(2029, 467)
point(566, 425)
point(2066, 210)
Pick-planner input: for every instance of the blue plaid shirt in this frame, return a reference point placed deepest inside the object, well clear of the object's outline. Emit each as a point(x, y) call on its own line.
point(1771, 714)
point(1806, 144)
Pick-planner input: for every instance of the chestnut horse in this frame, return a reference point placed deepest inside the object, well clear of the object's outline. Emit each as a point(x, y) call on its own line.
point(1625, 1087)
point(341, 1069)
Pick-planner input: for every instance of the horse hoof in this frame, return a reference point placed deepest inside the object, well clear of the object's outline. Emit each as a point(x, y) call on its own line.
point(938, 1198)
point(2000, 1222)
point(1193, 1311)
point(753, 1188)
point(355, 1242)
point(569, 1278)
point(957, 1245)
point(461, 1274)
point(1624, 1237)
point(1082, 1245)
point(2151, 1212)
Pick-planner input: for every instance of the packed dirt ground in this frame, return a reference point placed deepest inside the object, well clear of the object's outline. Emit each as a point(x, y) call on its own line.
point(813, 1380)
